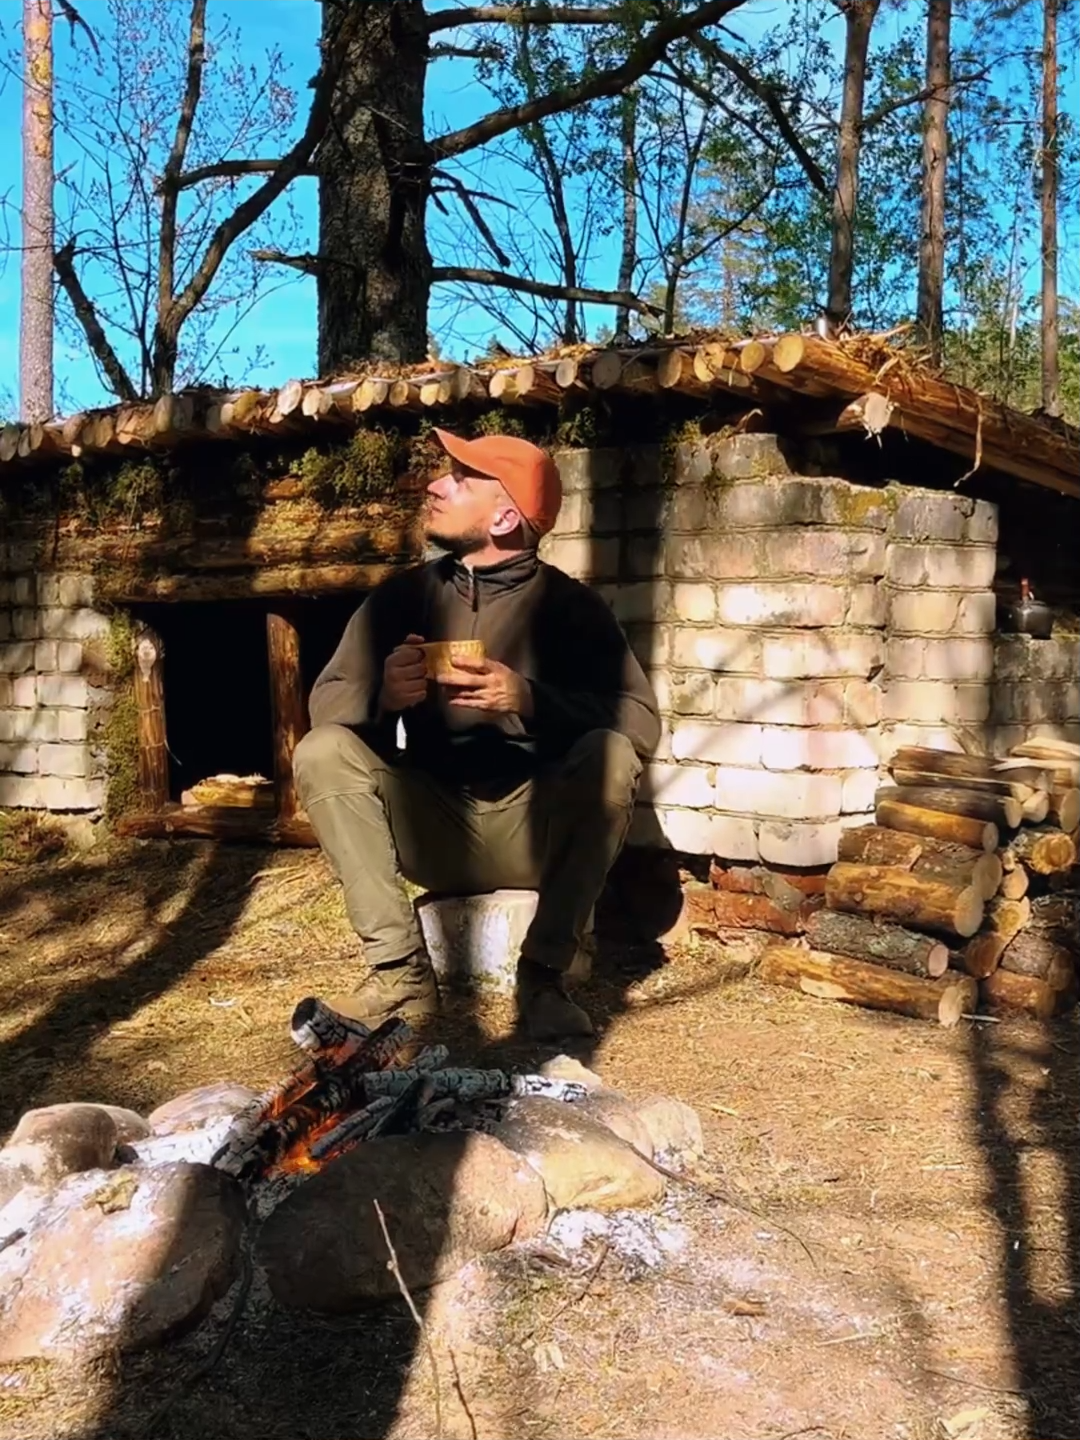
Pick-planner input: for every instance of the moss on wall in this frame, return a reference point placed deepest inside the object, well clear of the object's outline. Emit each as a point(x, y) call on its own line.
point(120, 731)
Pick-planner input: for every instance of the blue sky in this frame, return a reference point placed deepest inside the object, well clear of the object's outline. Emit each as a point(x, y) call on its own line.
point(284, 323)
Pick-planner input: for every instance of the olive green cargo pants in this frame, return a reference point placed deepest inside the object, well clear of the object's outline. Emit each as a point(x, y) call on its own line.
point(558, 834)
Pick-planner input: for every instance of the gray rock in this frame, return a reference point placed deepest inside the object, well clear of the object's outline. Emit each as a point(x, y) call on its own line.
point(130, 1125)
point(583, 1164)
point(673, 1128)
point(447, 1198)
point(190, 1111)
point(618, 1114)
point(55, 1141)
point(119, 1260)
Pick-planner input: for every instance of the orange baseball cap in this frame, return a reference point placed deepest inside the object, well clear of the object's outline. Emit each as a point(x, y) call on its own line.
point(526, 473)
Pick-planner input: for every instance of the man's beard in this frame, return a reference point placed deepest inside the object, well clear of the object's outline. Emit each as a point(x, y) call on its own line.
point(460, 546)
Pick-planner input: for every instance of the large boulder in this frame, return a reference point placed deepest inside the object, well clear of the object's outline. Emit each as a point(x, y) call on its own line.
point(193, 1109)
point(119, 1260)
point(583, 1163)
point(55, 1141)
point(446, 1198)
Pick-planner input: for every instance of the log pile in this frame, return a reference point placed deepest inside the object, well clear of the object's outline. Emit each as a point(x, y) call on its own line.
point(964, 893)
point(357, 1084)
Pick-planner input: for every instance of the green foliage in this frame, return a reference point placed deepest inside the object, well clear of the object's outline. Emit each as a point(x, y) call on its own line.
point(499, 421)
point(364, 468)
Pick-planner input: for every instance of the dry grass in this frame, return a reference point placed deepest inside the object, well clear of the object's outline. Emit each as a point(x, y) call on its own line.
point(933, 1174)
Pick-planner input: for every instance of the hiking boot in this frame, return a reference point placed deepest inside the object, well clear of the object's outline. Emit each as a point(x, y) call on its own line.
point(405, 990)
point(545, 1010)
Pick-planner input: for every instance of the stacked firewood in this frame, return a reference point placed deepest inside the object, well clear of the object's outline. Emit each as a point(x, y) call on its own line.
point(965, 892)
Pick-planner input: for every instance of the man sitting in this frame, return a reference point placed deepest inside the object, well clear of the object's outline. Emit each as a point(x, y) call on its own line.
point(519, 773)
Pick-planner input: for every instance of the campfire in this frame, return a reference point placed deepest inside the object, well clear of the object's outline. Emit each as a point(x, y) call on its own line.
point(350, 1090)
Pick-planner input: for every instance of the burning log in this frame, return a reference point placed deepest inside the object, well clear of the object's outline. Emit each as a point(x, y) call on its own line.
point(314, 1026)
point(274, 1126)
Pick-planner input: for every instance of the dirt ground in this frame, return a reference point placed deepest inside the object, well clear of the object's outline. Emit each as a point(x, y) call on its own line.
point(933, 1176)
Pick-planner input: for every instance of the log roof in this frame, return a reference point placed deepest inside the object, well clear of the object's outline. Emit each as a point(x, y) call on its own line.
point(805, 384)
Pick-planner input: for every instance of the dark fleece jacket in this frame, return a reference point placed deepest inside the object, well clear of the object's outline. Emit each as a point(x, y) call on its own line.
point(534, 618)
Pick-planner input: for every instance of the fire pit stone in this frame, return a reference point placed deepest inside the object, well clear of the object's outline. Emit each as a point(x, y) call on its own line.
point(192, 1109)
point(55, 1141)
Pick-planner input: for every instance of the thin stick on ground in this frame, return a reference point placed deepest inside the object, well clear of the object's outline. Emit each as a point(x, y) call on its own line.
point(395, 1270)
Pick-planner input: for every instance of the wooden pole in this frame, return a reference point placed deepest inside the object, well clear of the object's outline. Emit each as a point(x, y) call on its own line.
point(150, 708)
point(286, 705)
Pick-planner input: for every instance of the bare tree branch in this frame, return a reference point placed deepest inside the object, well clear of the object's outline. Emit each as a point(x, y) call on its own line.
point(769, 98)
point(229, 169)
point(164, 342)
point(498, 278)
point(103, 352)
point(475, 216)
point(296, 162)
point(612, 81)
point(524, 15)
point(308, 264)
point(465, 52)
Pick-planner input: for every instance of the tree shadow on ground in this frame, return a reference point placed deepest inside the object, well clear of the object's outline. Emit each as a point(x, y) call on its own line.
point(1041, 1282)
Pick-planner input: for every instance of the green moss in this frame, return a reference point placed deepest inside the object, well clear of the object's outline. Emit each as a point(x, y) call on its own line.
point(579, 430)
point(858, 505)
point(498, 422)
point(365, 468)
point(120, 734)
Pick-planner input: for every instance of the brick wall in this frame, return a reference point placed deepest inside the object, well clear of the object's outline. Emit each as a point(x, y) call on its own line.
point(1036, 690)
point(796, 629)
point(52, 696)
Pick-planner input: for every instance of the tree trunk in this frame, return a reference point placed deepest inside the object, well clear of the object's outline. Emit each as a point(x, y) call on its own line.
point(1051, 394)
point(36, 316)
point(1000, 810)
point(834, 977)
point(935, 154)
point(869, 940)
point(374, 266)
point(859, 20)
point(628, 257)
point(287, 708)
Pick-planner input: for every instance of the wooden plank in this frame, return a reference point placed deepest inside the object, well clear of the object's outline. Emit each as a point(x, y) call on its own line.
point(150, 708)
point(287, 707)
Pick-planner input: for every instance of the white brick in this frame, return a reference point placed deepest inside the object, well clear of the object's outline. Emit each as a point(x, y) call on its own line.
point(801, 749)
point(982, 528)
point(5, 624)
point(7, 692)
point(942, 612)
point(20, 792)
point(930, 515)
point(68, 690)
point(45, 655)
point(931, 737)
point(843, 554)
point(646, 600)
point(24, 691)
point(817, 702)
point(826, 653)
point(799, 845)
point(779, 604)
point(717, 744)
point(868, 605)
point(61, 794)
point(20, 759)
point(686, 785)
point(935, 701)
point(711, 557)
point(71, 724)
point(709, 649)
point(692, 694)
point(574, 514)
point(649, 643)
point(33, 725)
point(1048, 702)
point(733, 838)
point(26, 624)
point(23, 590)
point(944, 567)
point(17, 658)
point(65, 760)
point(796, 795)
point(660, 681)
point(736, 457)
point(73, 625)
point(76, 591)
point(69, 656)
point(695, 603)
point(860, 787)
point(47, 589)
point(958, 658)
point(687, 830)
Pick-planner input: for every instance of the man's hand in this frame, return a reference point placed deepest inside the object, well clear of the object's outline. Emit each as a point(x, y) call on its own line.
point(404, 676)
point(489, 685)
